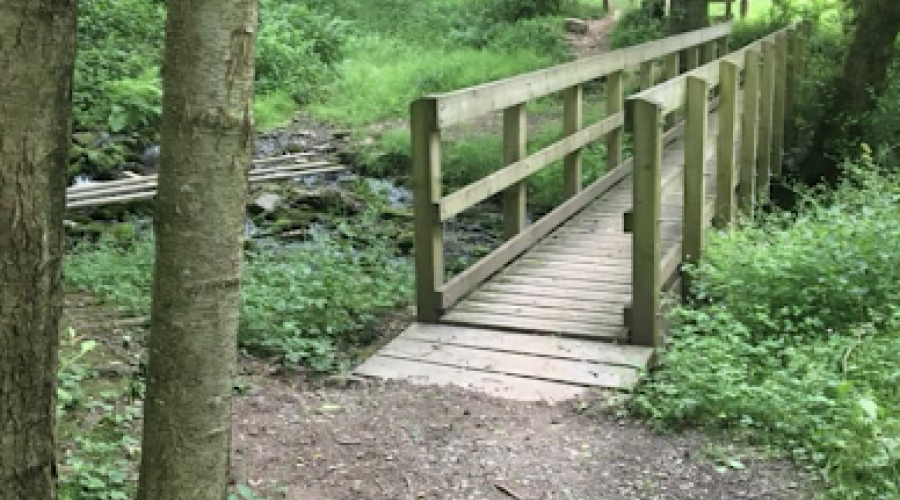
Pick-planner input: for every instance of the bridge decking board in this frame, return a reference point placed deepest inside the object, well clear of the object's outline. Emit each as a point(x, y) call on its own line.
point(550, 324)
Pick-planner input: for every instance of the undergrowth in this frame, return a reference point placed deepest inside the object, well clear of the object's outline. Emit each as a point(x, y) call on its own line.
point(794, 335)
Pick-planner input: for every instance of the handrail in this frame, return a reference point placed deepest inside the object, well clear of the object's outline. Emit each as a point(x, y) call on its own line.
point(770, 68)
point(432, 113)
point(462, 105)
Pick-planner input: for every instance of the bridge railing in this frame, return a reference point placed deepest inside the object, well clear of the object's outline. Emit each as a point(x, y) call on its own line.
point(431, 114)
point(752, 121)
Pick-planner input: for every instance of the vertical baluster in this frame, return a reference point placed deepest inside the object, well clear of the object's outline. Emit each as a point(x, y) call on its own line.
point(695, 141)
point(778, 107)
point(764, 150)
point(615, 103)
point(728, 116)
point(749, 131)
point(573, 121)
point(515, 136)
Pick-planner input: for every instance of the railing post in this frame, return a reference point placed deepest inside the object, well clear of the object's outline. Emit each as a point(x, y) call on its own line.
point(745, 8)
point(672, 70)
point(722, 46)
point(615, 103)
point(573, 121)
point(429, 237)
point(708, 52)
point(646, 250)
point(728, 117)
point(693, 57)
point(515, 137)
point(695, 140)
point(729, 9)
point(646, 75)
point(767, 94)
point(778, 106)
point(790, 104)
point(749, 131)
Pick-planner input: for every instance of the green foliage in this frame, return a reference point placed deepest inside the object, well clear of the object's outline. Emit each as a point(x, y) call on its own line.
point(794, 336)
point(636, 26)
point(302, 302)
point(136, 103)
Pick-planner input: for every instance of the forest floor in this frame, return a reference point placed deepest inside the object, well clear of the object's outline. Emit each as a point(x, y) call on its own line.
point(351, 439)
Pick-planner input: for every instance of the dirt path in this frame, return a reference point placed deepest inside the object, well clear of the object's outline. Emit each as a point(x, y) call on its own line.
point(386, 441)
point(596, 40)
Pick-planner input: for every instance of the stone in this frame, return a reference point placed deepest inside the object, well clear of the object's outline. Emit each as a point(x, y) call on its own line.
point(576, 26)
point(267, 202)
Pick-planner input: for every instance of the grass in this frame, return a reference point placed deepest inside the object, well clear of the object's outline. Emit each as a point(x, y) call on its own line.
point(793, 338)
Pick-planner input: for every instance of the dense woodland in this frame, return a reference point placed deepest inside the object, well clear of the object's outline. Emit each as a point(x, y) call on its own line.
point(789, 345)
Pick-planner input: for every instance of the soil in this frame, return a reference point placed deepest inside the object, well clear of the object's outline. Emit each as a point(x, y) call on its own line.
point(596, 40)
point(389, 440)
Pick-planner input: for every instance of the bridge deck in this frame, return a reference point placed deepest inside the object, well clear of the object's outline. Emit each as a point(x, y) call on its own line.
point(550, 325)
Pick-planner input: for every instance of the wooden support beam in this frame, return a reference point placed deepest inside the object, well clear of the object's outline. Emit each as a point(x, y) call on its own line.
point(646, 322)
point(515, 139)
point(725, 161)
point(779, 103)
point(646, 75)
point(573, 121)
point(693, 58)
point(615, 103)
point(429, 234)
point(708, 52)
point(749, 132)
point(672, 70)
point(695, 138)
point(767, 95)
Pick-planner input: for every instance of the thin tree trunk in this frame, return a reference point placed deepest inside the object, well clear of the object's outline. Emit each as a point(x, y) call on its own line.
point(37, 57)
point(857, 90)
point(207, 136)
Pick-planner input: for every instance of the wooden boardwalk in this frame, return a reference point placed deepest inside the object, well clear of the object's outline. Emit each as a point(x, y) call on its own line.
point(571, 302)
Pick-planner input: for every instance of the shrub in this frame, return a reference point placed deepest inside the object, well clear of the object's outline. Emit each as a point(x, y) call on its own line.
point(794, 337)
point(636, 26)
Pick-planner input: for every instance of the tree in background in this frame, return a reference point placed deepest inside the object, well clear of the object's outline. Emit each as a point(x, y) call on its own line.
point(688, 15)
point(37, 57)
point(858, 89)
point(207, 137)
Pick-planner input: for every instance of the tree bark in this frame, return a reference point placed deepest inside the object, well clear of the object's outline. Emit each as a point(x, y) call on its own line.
point(857, 90)
point(37, 57)
point(207, 137)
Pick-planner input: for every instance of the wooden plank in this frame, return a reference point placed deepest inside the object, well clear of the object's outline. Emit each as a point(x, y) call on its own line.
point(621, 274)
point(494, 384)
point(646, 75)
point(600, 317)
point(566, 371)
point(515, 143)
point(621, 286)
point(545, 302)
point(725, 150)
point(536, 326)
point(459, 106)
point(429, 233)
point(647, 174)
point(455, 203)
point(493, 262)
point(764, 145)
point(672, 70)
point(560, 293)
point(573, 121)
point(538, 345)
point(749, 133)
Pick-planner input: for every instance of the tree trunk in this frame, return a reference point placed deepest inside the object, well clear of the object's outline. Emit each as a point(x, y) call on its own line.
point(857, 90)
point(37, 57)
point(689, 15)
point(207, 137)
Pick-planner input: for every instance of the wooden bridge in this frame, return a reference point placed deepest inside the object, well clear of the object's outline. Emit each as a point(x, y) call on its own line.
point(573, 300)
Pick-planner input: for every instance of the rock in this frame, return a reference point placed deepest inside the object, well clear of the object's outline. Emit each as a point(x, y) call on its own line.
point(576, 26)
point(266, 202)
point(150, 156)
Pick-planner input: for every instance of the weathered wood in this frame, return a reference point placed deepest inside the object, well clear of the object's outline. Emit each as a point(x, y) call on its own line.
point(455, 203)
point(429, 239)
point(543, 346)
point(778, 106)
point(456, 107)
point(575, 304)
point(672, 70)
point(749, 132)
point(764, 144)
point(573, 329)
point(515, 142)
point(567, 371)
point(790, 105)
point(646, 75)
point(573, 121)
point(600, 296)
point(494, 384)
point(490, 264)
point(745, 8)
point(692, 58)
point(646, 176)
point(696, 137)
point(615, 105)
point(725, 151)
point(708, 52)
point(587, 318)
